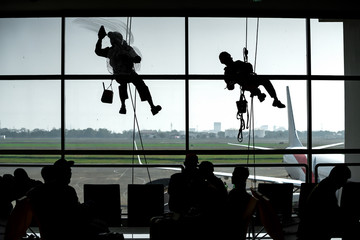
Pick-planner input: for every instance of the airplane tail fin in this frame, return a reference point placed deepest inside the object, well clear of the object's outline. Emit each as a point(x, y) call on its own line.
point(293, 137)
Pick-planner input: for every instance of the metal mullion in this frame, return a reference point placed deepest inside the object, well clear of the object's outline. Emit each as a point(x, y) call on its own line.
point(63, 87)
point(309, 99)
point(187, 127)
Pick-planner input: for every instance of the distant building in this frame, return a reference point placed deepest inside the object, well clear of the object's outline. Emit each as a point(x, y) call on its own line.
point(260, 133)
point(231, 133)
point(276, 128)
point(217, 127)
point(264, 127)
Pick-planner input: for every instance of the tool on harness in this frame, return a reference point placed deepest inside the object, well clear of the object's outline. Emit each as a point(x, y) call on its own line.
point(245, 54)
point(242, 106)
point(107, 96)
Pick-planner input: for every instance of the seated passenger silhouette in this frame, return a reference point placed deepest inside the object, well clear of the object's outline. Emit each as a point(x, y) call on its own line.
point(215, 193)
point(122, 58)
point(23, 183)
point(7, 195)
point(322, 216)
point(214, 197)
point(184, 194)
point(242, 73)
point(186, 200)
point(56, 205)
point(238, 200)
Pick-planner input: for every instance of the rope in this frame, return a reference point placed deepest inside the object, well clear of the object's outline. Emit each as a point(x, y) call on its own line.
point(139, 132)
point(256, 43)
point(252, 118)
point(245, 51)
point(252, 136)
point(133, 102)
point(128, 29)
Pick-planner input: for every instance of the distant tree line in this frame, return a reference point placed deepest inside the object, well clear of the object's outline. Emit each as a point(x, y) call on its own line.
point(105, 133)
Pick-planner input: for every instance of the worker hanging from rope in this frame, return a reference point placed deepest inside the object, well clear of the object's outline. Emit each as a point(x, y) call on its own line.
point(242, 73)
point(121, 59)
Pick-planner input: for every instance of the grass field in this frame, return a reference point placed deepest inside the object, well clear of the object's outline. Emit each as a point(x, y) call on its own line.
point(126, 144)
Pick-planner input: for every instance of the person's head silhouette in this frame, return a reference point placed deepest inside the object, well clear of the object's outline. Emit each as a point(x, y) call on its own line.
point(225, 58)
point(206, 168)
point(239, 176)
point(115, 38)
point(191, 161)
point(339, 175)
point(62, 171)
point(21, 175)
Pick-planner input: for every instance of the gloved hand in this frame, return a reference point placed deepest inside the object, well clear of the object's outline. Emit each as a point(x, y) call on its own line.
point(101, 33)
point(137, 59)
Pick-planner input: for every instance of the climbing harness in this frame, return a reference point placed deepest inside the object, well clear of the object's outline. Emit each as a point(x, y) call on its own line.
point(242, 108)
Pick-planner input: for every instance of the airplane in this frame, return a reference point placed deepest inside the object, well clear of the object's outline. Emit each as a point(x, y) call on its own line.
point(297, 174)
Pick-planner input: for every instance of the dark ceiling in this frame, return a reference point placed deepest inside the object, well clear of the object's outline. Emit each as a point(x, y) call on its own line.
point(258, 8)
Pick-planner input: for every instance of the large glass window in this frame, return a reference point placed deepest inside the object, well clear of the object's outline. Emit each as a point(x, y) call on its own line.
point(30, 109)
point(327, 48)
point(30, 46)
point(180, 65)
point(159, 41)
point(89, 119)
point(276, 46)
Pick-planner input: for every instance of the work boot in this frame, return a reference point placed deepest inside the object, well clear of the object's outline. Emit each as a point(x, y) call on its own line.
point(155, 109)
point(261, 97)
point(278, 104)
point(122, 109)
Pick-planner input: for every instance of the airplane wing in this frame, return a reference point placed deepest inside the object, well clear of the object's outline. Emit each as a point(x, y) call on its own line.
point(251, 177)
point(264, 178)
point(328, 146)
point(246, 146)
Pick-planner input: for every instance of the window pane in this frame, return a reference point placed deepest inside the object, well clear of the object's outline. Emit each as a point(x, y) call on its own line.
point(211, 105)
point(327, 49)
point(159, 41)
point(328, 112)
point(30, 46)
point(88, 116)
point(30, 114)
point(281, 44)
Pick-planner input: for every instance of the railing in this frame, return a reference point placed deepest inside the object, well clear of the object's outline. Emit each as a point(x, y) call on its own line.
point(316, 171)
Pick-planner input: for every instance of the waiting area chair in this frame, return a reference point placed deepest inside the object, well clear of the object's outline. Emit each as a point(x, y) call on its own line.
point(280, 195)
point(144, 202)
point(105, 202)
point(268, 217)
point(350, 204)
point(305, 190)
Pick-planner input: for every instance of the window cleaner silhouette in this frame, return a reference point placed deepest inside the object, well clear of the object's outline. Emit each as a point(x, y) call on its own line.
point(242, 73)
point(121, 59)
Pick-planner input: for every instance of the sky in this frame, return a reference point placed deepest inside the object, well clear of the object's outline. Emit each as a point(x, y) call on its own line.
point(32, 46)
